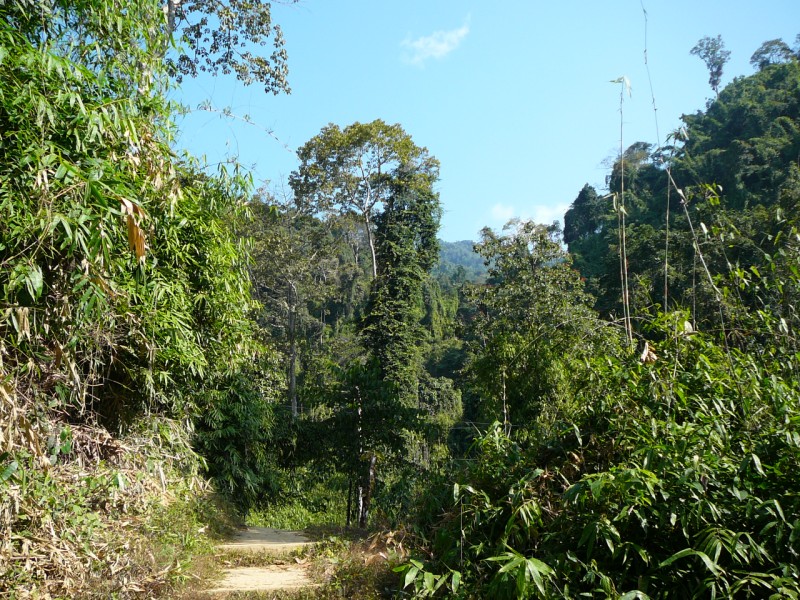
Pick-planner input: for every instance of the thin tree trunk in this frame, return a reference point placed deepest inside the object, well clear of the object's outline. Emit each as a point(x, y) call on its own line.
point(360, 502)
point(506, 419)
point(370, 484)
point(171, 9)
point(292, 293)
point(349, 500)
point(623, 251)
point(171, 12)
point(371, 239)
point(293, 379)
point(360, 488)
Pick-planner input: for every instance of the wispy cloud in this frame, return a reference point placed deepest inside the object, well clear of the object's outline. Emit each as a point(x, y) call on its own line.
point(502, 213)
point(436, 45)
point(545, 214)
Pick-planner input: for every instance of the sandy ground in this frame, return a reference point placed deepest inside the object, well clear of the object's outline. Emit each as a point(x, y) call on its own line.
point(288, 576)
point(263, 539)
point(263, 579)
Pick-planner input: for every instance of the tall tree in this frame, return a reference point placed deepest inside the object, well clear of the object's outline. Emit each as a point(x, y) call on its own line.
point(292, 273)
point(771, 52)
point(352, 169)
point(712, 52)
point(534, 324)
point(407, 247)
point(586, 215)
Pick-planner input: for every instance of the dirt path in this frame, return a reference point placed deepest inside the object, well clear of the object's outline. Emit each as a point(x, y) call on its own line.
point(284, 575)
point(268, 541)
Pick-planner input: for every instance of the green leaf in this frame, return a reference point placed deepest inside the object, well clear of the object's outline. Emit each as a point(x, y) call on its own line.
point(513, 562)
point(779, 510)
point(455, 581)
point(8, 472)
point(537, 570)
point(710, 565)
point(739, 494)
point(677, 556)
point(428, 580)
point(34, 281)
point(577, 435)
point(757, 465)
point(411, 574)
point(119, 481)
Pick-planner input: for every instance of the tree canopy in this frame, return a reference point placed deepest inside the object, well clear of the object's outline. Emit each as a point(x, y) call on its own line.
point(712, 52)
point(219, 37)
point(353, 169)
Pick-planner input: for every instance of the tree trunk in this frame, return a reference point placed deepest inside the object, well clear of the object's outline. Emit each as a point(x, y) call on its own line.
point(292, 369)
point(368, 488)
point(171, 8)
point(171, 12)
point(371, 239)
point(360, 503)
point(359, 488)
point(349, 500)
point(293, 379)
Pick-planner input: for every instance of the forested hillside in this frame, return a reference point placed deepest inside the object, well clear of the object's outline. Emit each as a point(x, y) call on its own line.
point(735, 175)
point(453, 255)
point(607, 410)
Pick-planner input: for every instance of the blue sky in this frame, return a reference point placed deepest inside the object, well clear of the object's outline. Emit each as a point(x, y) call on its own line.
point(513, 98)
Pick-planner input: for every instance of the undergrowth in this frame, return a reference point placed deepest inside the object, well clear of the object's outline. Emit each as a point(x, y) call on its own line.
point(84, 515)
point(306, 501)
point(676, 478)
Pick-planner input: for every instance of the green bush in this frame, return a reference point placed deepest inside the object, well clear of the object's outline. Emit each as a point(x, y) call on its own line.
point(674, 478)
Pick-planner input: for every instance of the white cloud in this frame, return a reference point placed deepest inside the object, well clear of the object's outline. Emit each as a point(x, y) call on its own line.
point(547, 213)
point(502, 213)
point(436, 45)
point(544, 214)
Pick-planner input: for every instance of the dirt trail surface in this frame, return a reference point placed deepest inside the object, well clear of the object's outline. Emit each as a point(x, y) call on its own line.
point(288, 575)
point(263, 579)
point(263, 539)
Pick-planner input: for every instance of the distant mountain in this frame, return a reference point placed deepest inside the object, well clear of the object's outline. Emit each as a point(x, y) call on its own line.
point(453, 255)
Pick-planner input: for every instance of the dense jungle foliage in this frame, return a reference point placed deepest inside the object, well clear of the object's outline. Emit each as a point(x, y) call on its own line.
point(664, 470)
point(124, 309)
point(608, 410)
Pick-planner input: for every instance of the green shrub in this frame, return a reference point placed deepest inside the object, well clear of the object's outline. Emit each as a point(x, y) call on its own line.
point(673, 479)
